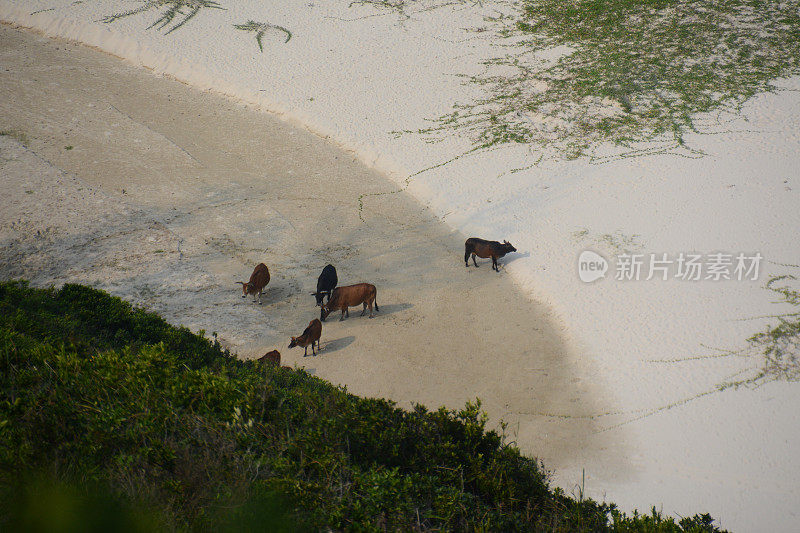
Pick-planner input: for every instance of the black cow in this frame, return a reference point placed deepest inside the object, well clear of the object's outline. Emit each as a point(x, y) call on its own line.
point(326, 282)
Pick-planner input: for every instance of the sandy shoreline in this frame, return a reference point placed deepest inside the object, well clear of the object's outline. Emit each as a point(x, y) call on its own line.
point(167, 195)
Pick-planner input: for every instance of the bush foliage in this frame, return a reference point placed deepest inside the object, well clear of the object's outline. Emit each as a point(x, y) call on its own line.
point(115, 419)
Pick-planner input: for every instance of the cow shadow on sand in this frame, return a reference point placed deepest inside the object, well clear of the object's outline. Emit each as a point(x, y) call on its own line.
point(279, 292)
point(336, 344)
point(355, 312)
point(510, 258)
point(389, 309)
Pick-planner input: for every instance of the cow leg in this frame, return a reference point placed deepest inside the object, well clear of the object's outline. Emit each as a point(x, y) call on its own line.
point(370, 310)
point(494, 264)
point(259, 297)
point(305, 351)
point(343, 312)
point(466, 258)
point(312, 349)
point(365, 309)
point(473, 260)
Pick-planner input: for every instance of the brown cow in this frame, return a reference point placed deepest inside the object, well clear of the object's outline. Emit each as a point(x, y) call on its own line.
point(475, 246)
point(271, 358)
point(310, 335)
point(258, 280)
point(350, 296)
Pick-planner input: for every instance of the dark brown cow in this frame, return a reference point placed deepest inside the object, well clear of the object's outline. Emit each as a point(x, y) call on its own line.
point(258, 280)
point(271, 358)
point(475, 246)
point(310, 335)
point(350, 296)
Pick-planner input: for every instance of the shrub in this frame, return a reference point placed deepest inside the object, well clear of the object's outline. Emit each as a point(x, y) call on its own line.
point(107, 406)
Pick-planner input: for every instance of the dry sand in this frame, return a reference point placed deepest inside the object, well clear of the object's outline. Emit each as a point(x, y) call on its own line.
point(166, 196)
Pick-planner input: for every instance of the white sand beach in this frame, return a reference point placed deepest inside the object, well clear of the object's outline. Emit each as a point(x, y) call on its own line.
point(611, 379)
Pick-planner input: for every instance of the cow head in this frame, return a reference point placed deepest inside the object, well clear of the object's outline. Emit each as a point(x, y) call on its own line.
point(319, 296)
point(507, 247)
point(293, 342)
point(324, 311)
point(245, 288)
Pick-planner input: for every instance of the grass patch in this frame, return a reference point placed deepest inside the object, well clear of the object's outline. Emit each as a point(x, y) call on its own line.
point(779, 343)
point(617, 242)
point(17, 135)
point(627, 72)
point(260, 29)
point(100, 398)
point(401, 7)
point(777, 348)
point(182, 10)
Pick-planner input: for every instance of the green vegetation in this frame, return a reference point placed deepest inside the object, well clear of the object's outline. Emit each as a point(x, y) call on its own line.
point(173, 9)
point(396, 5)
point(401, 6)
point(17, 135)
point(617, 242)
point(779, 344)
point(635, 73)
point(185, 10)
point(112, 419)
point(775, 350)
point(260, 28)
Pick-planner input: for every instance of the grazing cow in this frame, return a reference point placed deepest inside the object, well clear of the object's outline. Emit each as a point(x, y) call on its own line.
point(475, 246)
point(271, 358)
point(326, 283)
point(258, 280)
point(310, 335)
point(350, 296)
